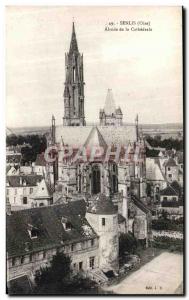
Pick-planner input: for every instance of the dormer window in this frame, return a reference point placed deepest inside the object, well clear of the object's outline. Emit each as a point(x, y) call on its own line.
point(33, 232)
point(66, 223)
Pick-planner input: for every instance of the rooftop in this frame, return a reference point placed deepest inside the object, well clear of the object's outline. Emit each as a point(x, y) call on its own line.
point(102, 205)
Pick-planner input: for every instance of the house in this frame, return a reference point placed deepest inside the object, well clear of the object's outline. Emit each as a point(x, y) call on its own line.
point(171, 170)
point(139, 220)
point(155, 177)
point(19, 189)
point(171, 200)
point(43, 194)
point(35, 235)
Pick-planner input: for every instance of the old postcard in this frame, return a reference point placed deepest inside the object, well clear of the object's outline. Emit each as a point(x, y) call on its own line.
point(94, 150)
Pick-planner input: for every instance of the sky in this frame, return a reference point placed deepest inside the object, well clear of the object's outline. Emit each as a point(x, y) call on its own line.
point(143, 69)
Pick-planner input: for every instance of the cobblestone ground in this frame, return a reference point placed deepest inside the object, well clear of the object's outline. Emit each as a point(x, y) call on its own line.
point(162, 275)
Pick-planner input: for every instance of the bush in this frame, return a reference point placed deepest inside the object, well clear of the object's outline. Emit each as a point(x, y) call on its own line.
point(166, 224)
point(171, 244)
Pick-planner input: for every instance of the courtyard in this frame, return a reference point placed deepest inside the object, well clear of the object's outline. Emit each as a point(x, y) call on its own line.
point(162, 275)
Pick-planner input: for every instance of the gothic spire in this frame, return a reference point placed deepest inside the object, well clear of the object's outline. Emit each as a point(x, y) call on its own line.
point(73, 44)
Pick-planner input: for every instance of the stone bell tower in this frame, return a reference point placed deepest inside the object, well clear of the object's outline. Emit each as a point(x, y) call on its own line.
point(74, 86)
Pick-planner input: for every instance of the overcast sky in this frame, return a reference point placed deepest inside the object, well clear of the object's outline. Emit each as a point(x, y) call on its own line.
point(144, 69)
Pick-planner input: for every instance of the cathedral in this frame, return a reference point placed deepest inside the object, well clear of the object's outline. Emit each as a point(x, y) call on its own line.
point(122, 178)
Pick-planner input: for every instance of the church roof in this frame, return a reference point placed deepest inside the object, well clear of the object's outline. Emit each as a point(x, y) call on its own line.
point(109, 107)
point(95, 139)
point(73, 44)
point(102, 205)
point(76, 136)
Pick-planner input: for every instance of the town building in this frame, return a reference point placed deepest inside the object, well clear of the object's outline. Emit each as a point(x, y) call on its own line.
point(19, 189)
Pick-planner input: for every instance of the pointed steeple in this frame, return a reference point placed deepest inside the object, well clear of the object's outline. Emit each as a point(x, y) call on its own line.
point(73, 44)
point(109, 107)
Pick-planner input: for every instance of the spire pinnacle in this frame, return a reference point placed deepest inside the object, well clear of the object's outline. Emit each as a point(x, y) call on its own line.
point(73, 44)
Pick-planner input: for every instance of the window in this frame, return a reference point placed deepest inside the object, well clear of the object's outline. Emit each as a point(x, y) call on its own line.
point(22, 260)
point(31, 190)
point(41, 204)
point(96, 188)
point(165, 198)
point(168, 168)
point(14, 200)
point(13, 261)
point(25, 200)
point(92, 243)
point(103, 222)
point(44, 254)
point(72, 247)
point(80, 265)
point(181, 166)
point(68, 226)
point(91, 262)
point(30, 258)
point(174, 199)
point(170, 175)
point(7, 192)
point(157, 189)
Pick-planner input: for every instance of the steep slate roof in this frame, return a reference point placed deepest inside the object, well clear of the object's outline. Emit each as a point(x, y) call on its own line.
point(169, 191)
point(153, 170)
point(140, 204)
point(102, 205)
point(77, 135)
point(170, 163)
point(15, 180)
point(73, 43)
point(43, 191)
point(51, 233)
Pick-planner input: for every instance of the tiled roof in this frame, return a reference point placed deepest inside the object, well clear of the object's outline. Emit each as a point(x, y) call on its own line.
point(140, 204)
point(19, 180)
point(169, 191)
point(170, 162)
point(109, 106)
point(77, 135)
point(51, 233)
point(102, 205)
point(153, 169)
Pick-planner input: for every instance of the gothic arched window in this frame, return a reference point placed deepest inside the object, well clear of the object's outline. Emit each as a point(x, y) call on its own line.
point(114, 179)
point(96, 188)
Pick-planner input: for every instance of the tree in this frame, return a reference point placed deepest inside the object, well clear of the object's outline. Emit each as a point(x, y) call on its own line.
point(53, 278)
point(58, 278)
point(127, 243)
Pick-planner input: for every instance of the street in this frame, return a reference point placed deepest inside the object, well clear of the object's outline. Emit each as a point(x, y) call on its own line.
point(162, 275)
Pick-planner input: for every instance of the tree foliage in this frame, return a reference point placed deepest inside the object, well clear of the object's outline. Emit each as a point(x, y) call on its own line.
point(127, 243)
point(58, 278)
point(168, 144)
point(31, 145)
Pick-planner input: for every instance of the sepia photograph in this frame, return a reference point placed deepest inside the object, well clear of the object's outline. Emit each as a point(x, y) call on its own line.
point(94, 150)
